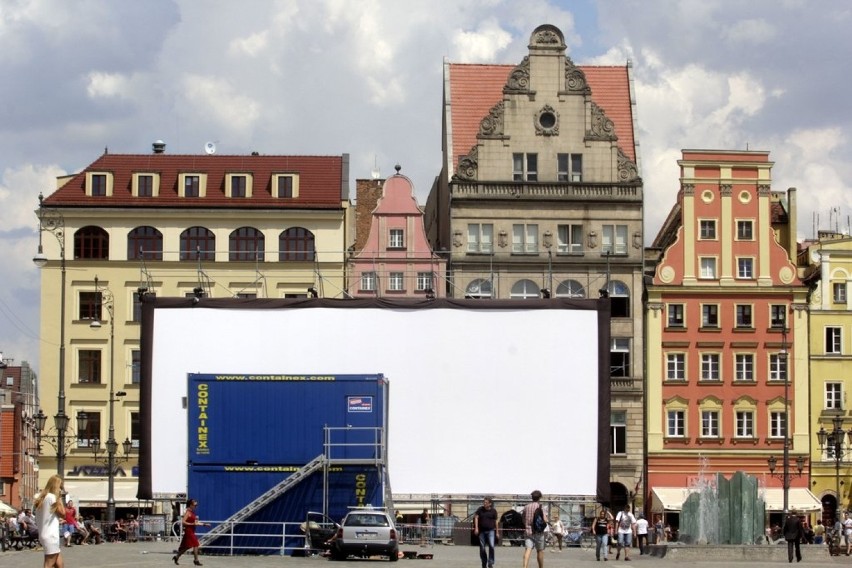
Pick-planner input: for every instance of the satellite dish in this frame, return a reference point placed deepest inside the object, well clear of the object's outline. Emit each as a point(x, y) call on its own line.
point(210, 148)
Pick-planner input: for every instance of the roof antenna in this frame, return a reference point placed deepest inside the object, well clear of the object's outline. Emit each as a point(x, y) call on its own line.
point(376, 173)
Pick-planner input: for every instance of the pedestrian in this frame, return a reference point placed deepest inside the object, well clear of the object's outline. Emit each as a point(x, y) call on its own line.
point(49, 509)
point(660, 530)
point(819, 532)
point(642, 534)
point(533, 532)
point(847, 532)
point(602, 529)
point(424, 526)
point(485, 527)
point(558, 530)
point(189, 540)
point(625, 524)
point(793, 535)
point(72, 525)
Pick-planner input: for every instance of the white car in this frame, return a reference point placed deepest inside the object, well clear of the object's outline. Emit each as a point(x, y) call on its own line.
point(366, 532)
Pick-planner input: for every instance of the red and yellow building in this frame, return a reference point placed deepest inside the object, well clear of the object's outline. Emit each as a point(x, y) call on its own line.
point(726, 334)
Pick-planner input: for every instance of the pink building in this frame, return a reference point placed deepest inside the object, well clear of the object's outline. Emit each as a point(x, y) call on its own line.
point(396, 260)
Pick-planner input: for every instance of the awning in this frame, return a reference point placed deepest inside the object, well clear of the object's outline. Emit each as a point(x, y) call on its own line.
point(6, 509)
point(799, 499)
point(410, 508)
point(94, 493)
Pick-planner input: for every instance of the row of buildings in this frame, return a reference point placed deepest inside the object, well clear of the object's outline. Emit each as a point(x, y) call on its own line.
point(729, 339)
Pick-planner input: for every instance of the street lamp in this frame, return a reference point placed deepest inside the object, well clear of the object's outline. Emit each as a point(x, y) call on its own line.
point(786, 476)
point(107, 300)
point(57, 436)
point(832, 443)
point(53, 222)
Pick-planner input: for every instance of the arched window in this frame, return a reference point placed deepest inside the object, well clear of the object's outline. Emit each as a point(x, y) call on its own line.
point(197, 242)
point(246, 243)
point(525, 290)
point(619, 295)
point(91, 242)
point(479, 289)
point(296, 243)
point(570, 289)
point(145, 242)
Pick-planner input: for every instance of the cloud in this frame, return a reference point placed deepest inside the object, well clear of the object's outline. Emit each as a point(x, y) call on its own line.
point(751, 31)
point(215, 98)
point(252, 45)
point(107, 85)
point(482, 45)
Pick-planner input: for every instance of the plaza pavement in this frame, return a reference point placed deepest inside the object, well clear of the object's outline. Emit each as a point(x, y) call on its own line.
point(159, 555)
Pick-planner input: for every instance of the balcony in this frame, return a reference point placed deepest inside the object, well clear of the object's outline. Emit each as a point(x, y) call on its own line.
point(625, 385)
point(548, 191)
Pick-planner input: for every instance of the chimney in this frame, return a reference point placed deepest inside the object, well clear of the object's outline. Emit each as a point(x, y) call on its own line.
point(159, 147)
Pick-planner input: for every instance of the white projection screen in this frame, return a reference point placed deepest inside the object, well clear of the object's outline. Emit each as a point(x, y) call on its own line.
point(484, 396)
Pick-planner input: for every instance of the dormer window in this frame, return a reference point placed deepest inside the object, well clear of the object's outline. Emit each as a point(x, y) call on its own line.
point(146, 185)
point(285, 186)
point(396, 239)
point(192, 185)
point(98, 184)
point(238, 185)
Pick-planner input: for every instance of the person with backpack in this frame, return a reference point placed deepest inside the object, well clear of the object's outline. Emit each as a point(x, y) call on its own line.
point(534, 525)
point(625, 524)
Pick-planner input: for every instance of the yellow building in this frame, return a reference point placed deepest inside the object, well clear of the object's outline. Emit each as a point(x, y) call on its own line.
point(829, 272)
point(171, 225)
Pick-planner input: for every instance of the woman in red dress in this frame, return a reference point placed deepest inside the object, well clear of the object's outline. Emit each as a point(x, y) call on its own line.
point(189, 540)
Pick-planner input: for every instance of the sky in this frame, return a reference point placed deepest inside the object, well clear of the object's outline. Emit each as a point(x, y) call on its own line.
point(364, 77)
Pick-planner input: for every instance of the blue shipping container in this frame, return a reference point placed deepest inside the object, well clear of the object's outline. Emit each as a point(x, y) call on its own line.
point(281, 419)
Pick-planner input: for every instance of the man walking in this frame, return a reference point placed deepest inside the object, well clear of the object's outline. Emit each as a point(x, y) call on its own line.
point(485, 527)
point(793, 534)
point(533, 531)
point(625, 524)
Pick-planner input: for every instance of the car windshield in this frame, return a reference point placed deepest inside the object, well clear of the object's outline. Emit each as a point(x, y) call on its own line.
point(366, 520)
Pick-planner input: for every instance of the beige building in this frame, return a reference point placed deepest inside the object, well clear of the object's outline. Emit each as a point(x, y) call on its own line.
point(540, 195)
point(171, 225)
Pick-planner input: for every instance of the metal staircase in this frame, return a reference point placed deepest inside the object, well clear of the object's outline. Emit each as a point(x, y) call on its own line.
point(274, 493)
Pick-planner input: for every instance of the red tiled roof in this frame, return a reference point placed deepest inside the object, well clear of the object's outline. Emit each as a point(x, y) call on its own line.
point(320, 179)
point(474, 89)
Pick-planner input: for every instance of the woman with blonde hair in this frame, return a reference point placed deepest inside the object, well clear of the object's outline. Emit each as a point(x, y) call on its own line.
point(49, 509)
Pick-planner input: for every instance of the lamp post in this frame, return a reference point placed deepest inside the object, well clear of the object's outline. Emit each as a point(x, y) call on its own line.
point(53, 222)
point(107, 300)
point(58, 437)
point(832, 442)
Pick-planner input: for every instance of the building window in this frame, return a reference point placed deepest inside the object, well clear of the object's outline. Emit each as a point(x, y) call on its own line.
point(778, 316)
point(478, 289)
point(525, 167)
point(745, 268)
point(135, 430)
point(238, 186)
point(424, 281)
point(710, 316)
point(396, 239)
point(525, 239)
point(839, 292)
point(246, 243)
point(833, 396)
point(833, 341)
point(525, 290)
point(618, 432)
point(744, 320)
point(675, 318)
point(676, 424)
point(777, 424)
point(296, 243)
point(99, 185)
point(778, 367)
point(480, 238)
point(91, 243)
point(709, 423)
point(708, 267)
point(197, 243)
point(89, 366)
point(286, 186)
point(191, 186)
point(145, 243)
point(707, 229)
point(675, 366)
point(90, 306)
point(368, 281)
point(570, 289)
point(569, 239)
point(744, 367)
point(569, 167)
point(614, 239)
point(745, 424)
point(619, 357)
point(395, 282)
point(745, 230)
point(710, 367)
point(135, 366)
point(619, 295)
point(87, 437)
point(145, 185)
